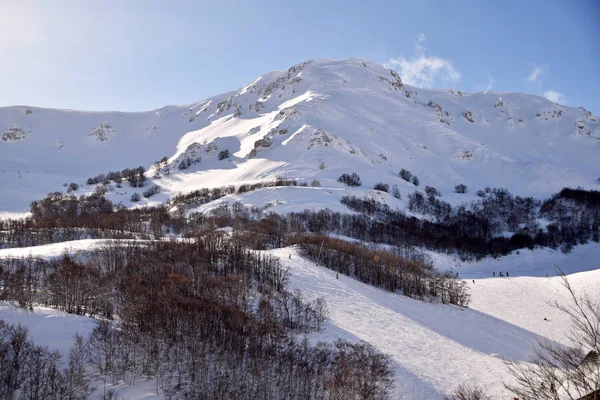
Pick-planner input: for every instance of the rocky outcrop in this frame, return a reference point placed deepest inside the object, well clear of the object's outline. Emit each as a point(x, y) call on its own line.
point(102, 133)
point(15, 134)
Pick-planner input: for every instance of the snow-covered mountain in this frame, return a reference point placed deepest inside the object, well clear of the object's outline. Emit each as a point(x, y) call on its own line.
point(315, 121)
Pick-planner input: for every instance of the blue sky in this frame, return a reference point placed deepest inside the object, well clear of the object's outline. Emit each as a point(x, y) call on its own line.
point(142, 54)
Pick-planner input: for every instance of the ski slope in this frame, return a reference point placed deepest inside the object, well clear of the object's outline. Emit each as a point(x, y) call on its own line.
point(524, 262)
point(436, 347)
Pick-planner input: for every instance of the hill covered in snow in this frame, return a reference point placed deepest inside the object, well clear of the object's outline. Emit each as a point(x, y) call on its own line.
point(313, 122)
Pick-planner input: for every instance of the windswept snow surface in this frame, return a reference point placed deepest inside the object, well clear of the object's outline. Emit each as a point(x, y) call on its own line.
point(319, 119)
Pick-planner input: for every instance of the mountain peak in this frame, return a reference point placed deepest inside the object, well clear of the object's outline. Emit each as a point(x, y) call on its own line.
point(314, 121)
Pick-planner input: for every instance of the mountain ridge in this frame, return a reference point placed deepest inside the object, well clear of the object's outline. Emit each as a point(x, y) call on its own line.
point(314, 121)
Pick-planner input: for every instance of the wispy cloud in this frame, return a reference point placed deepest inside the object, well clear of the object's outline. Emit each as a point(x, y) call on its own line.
point(424, 69)
point(491, 81)
point(479, 86)
point(555, 96)
point(536, 72)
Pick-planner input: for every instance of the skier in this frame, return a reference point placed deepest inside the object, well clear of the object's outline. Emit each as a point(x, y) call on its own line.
point(473, 281)
point(507, 273)
point(290, 256)
point(457, 274)
point(337, 275)
point(493, 273)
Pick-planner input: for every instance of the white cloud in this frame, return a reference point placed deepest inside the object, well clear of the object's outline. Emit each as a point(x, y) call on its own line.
point(424, 69)
point(491, 81)
point(536, 72)
point(555, 96)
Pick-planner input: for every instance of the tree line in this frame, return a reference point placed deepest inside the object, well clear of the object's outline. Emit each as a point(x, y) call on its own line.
point(383, 269)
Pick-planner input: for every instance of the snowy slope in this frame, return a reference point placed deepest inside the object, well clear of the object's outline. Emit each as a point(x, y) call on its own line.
point(53, 250)
point(48, 327)
point(524, 262)
point(56, 330)
point(317, 120)
point(436, 347)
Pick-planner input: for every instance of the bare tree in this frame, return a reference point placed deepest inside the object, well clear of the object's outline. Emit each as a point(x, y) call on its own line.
point(77, 385)
point(467, 392)
point(559, 372)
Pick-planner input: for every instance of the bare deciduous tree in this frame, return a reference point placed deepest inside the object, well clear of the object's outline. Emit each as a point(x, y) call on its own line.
point(467, 392)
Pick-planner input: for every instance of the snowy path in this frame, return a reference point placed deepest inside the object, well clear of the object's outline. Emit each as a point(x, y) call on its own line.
point(526, 301)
